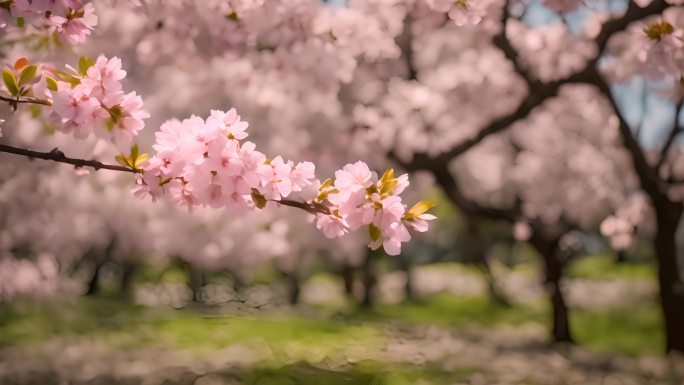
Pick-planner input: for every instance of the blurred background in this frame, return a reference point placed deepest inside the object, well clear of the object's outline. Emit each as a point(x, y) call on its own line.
point(554, 158)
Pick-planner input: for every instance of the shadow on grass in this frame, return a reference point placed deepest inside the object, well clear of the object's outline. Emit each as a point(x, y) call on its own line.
point(366, 372)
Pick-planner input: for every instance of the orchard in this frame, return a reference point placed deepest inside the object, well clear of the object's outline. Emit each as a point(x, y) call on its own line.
point(341, 192)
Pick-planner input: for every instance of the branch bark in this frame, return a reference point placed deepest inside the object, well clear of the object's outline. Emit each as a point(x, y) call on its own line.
point(58, 156)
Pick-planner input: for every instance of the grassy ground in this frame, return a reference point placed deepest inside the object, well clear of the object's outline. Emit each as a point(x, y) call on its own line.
point(328, 344)
point(631, 331)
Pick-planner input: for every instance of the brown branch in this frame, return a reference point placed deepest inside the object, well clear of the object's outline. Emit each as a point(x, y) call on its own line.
point(540, 91)
point(311, 207)
point(58, 156)
point(501, 41)
point(14, 102)
point(674, 131)
point(648, 176)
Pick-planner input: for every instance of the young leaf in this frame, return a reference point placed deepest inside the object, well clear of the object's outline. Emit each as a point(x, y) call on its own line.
point(51, 83)
point(374, 232)
point(10, 81)
point(134, 152)
point(258, 199)
point(140, 160)
point(83, 64)
point(123, 160)
point(20, 63)
point(419, 208)
point(27, 75)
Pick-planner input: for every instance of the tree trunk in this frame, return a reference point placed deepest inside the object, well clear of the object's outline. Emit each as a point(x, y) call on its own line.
point(370, 280)
point(621, 256)
point(347, 273)
point(477, 253)
point(94, 282)
point(669, 276)
point(127, 277)
point(405, 265)
point(295, 288)
point(553, 272)
point(196, 280)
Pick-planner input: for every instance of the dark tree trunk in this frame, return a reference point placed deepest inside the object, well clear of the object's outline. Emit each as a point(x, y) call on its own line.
point(405, 265)
point(669, 276)
point(100, 260)
point(621, 256)
point(370, 279)
point(127, 275)
point(553, 272)
point(94, 282)
point(196, 280)
point(477, 253)
point(347, 273)
point(295, 288)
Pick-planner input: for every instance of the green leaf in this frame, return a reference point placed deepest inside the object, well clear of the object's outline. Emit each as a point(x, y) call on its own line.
point(387, 176)
point(134, 152)
point(259, 200)
point(419, 208)
point(27, 75)
point(140, 160)
point(388, 182)
point(327, 183)
point(51, 83)
point(123, 160)
point(84, 63)
point(374, 232)
point(10, 81)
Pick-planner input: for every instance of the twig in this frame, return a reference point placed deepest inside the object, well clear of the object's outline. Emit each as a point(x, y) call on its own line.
point(58, 156)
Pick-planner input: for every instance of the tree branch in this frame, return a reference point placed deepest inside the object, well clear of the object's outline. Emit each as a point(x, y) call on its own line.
point(14, 102)
point(674, 131)
point(312, 207)
point(58, 156)
point(541, 91)
point(648, 176)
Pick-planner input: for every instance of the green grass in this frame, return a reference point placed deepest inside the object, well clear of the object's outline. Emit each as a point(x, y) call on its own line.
point(449, 310)
point(304, 333)
point(633, 331)
point(605, 267)
point(285, 334)
point(24, 323)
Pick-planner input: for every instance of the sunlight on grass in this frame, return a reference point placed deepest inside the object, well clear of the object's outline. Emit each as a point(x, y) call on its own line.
point(633, 331)
point(449, 310)
point(284, 334)
point(604, 267)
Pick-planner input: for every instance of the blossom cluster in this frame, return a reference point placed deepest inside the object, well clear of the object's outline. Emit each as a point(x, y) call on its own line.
point(357, 198)
point(461, 12)
point(205, 162)
point(73, 20)
point(91, 100)
point(622, 227)
point(662, 52)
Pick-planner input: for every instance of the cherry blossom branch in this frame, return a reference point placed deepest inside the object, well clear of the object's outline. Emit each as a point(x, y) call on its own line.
point(501, 41)
point(648, 176)
point(311, 207)
point(543, 91)
point(15, 101)
point(674, 131)
point(58, 156)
